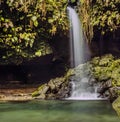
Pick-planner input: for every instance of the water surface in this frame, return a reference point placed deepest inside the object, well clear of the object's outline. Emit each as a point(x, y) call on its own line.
point(58, 111)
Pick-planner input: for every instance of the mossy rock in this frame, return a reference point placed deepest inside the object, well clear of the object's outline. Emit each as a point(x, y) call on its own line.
point(106, 68)
point(103, 60)
point(95, 61)
point(106, 60)
point(41, 90)
point(116, 105)
point(101, 69)
point(54, 89)
point(35, 93)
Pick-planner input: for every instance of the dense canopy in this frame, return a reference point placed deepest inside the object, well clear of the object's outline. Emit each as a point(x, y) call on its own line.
point(27, 26)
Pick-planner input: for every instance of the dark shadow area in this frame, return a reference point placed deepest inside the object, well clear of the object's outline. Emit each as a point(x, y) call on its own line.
point(105, 44)
point(36, 71)
point(72, 4)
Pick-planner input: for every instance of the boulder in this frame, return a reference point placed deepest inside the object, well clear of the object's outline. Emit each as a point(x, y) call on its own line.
point(57, 88)
point(41, 91)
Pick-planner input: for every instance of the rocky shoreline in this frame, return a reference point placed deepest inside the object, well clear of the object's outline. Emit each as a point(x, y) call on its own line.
point(103, 71)
point(16, 92)
point(16, 97)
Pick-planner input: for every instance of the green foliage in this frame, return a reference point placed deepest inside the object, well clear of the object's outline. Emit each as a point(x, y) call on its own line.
point(102, 15)
point(84, 12)
point(106, 15)
point(27, 25)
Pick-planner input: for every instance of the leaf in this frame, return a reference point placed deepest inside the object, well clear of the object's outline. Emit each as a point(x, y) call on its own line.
point(34, 18)
point(38, 53)
point(36, 23)
point(50, 20)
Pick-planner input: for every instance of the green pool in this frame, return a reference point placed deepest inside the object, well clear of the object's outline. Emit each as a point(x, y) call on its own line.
point(58, 111)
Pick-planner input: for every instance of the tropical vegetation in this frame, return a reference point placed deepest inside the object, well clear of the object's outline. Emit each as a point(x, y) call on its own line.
point(27, 26)
point(101, 16)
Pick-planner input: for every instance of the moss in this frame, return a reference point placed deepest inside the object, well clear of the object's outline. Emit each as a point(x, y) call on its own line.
point(95, 60)
point(116, 105)
point(69, 73)
point(35, 93)
point(104, 60)
point(41, 87)
point(105, 68)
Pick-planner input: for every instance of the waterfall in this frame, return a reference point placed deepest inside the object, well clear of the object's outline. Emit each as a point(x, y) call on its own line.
point(81, 89)
point(78, 45)
point(76, 39)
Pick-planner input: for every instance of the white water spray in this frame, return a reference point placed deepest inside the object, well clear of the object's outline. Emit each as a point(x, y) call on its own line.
point(81, 88)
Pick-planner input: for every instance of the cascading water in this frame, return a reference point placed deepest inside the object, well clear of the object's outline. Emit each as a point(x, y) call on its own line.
point(81, 89)
point(76, 39)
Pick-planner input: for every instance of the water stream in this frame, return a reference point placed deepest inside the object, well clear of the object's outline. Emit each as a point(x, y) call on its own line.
point(77, 44)
point(81, 90)
point(78, 48)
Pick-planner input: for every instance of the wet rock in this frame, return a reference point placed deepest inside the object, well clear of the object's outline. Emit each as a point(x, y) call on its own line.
point(51, 96)
point(92, 81)
point(55, 83)
point(41, 96)
point(104, 88)
point(35, 93)
point(52, 85)
point(57, 88)
point(102, 72)
point(116, 105)
point(42, 90)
